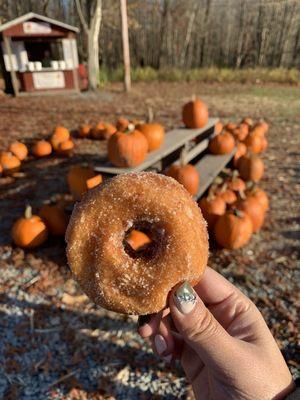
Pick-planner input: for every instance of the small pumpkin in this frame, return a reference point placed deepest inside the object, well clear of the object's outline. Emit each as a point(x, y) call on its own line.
point(127, 149)
point(19, 150)
point(122, 124)
point(65, 148)
point(187, 175)
point(254, 209)
point(264, 144)
point(233, 229)
point(94, 181)
point(263, 126)
point(9, 163)
point(241, 132)
point(218, 128)
point(253, 143)
point(108, 131)
point(41, 148)
point(137, 240)
point(236, 184)
point(96, 132)
point(154, 133)
point(222, 144)
point(29, 231)
point(212, 208)
point(257, 132)
point(260, 195)
point(241, 150)
point(230, 126)
point(195, 114)
point(61, 133)
point(251, 167)
point(77, 178)
point(55, 219)
point(227, 195)
point(84, 130)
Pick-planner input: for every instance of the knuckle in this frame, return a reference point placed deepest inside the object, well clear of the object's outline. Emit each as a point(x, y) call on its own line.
point(203, 328)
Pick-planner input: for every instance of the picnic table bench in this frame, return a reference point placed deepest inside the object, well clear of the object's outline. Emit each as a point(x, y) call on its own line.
point(181, 143)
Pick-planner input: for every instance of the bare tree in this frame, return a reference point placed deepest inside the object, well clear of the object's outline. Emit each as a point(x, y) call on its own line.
point(92, 31)
point(125, 41)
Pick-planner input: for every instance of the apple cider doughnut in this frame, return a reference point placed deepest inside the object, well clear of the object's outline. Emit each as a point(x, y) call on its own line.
point(108, 270)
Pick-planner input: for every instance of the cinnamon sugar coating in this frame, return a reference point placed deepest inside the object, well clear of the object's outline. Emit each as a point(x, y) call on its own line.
point(136, 284)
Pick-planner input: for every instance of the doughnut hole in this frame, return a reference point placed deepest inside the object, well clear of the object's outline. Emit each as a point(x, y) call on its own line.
point(144, 240)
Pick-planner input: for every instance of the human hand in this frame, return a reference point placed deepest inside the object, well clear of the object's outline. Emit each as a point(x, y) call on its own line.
point(222, 341)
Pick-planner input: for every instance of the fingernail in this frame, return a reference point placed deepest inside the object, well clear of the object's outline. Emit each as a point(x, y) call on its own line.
point(160, 344)
point(143, 320)
point(185, 298)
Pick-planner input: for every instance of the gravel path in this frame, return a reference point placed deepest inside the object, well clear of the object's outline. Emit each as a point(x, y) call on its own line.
point(54, 344)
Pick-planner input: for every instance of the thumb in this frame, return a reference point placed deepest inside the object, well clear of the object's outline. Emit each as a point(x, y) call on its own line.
point(199, 328)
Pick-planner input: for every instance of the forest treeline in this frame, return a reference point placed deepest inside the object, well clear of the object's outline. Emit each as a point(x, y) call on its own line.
point(185, 34)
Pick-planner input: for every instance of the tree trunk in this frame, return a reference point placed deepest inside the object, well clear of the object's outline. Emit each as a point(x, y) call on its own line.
point(93, 47)
point(125, 41)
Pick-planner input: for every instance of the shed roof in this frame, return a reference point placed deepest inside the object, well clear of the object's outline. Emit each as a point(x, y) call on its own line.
point(31, 15)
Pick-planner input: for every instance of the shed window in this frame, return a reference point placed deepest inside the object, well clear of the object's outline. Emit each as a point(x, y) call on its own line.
point(44, 51)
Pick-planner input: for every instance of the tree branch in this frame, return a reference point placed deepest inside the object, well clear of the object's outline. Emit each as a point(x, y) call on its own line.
point(81, 17)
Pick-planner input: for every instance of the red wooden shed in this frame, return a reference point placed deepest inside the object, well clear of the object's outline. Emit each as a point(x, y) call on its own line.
point(38, 55)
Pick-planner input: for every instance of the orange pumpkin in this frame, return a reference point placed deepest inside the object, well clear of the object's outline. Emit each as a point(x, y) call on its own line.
point(84, 131)
point(236, 184)
point(127, 149)
point(94, 181)
point(241, 132)
point(264, 144)
point(137, 240)
point(187, 175)
point(218, 128)
point(230, 126)
point(241, 150)
point(9, 163)
point(212, 208)
point(253, 143)
point(122, 124)
point(19, 150)
point(195, 114)
point(55, 219)
point(263, 126)
point(42, 148)
point(154, 134)
point(222, 144)
point(251, 167)
point(61, 133)
point(260, 195)
point(77, 178)
point(108, 131)
point(257, 131)
point(96, 132)
point(65, 148)
point(227, 195)
point(233, 229)
point(255, 211)
point(29, 231)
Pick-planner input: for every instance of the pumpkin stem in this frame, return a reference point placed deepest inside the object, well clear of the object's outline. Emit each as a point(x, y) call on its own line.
point(218, 180)
point(130, 128)
point(250, 185)
point(241, 195)
point(150, 115)
point(28, 212)
point(193, 97)
point(235, 173)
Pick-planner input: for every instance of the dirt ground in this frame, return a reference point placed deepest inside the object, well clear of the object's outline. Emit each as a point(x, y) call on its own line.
point(53, 342)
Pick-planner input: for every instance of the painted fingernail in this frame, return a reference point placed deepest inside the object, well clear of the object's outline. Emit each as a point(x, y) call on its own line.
point(143, 320)
point(160, 344)
point(185, 298)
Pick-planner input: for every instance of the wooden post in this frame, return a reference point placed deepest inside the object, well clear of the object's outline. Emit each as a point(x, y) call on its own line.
point(12, 72)
point(125, 40)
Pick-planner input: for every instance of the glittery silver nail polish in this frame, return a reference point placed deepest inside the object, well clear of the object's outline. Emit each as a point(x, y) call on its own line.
point(185, 298)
